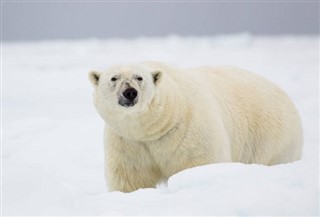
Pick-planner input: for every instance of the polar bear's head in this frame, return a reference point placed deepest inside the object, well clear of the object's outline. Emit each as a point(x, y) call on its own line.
point(125, 88)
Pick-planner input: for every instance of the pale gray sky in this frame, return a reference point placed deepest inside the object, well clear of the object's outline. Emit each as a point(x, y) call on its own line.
point(79, 20)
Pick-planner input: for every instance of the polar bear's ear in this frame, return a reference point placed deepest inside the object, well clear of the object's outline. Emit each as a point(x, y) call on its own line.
point(157, 75)
point(94, 78)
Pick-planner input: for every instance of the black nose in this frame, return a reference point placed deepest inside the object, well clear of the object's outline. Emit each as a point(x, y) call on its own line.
point(130, 93)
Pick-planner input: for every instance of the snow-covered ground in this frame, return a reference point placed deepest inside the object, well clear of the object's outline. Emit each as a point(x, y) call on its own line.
point(52, 151)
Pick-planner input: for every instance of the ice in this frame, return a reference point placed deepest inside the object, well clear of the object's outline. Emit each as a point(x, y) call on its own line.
point(52, 150)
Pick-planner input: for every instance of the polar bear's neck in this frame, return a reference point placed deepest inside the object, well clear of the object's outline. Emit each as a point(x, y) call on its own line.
point(163, 114)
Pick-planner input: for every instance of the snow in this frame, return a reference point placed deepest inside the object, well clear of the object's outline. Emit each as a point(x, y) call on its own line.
point(52, 151)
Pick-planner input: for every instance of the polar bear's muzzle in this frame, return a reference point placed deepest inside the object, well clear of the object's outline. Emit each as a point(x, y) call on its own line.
point(129, 97)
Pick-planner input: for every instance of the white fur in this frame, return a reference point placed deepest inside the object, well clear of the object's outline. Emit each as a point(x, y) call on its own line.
point(191, 117)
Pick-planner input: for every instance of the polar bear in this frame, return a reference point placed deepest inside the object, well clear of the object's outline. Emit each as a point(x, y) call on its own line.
point(161, 119)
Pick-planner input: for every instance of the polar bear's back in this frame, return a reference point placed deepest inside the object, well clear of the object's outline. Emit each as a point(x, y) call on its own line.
point(261, 120)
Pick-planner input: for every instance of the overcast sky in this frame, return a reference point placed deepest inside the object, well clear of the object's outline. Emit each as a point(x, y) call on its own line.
point(78, 20)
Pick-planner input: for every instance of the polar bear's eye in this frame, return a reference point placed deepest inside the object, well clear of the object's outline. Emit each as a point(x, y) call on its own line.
point(139, 78)
point(113, 79)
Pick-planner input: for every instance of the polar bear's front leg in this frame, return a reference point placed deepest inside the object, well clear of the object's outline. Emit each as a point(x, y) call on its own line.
point(129, 165)
point(130, 178)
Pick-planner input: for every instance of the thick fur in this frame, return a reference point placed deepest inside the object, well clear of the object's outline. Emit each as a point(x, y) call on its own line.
point(190, 117)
